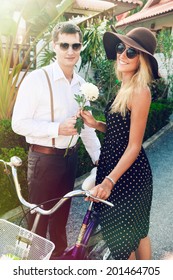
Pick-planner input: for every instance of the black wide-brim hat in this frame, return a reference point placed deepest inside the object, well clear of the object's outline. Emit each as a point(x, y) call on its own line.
point(140, 38)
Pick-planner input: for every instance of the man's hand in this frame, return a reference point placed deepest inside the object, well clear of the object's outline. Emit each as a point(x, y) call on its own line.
point(67, 127)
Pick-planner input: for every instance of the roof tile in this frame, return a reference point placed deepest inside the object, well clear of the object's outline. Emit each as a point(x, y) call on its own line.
point(148, 12)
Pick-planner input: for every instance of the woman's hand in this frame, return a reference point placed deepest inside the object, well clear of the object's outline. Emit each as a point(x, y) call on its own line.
point(88, 118)
point(102, 191)
point(90, 121)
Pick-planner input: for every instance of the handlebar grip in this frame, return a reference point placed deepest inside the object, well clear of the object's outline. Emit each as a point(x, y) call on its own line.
point(88, 194)
point(14, 161)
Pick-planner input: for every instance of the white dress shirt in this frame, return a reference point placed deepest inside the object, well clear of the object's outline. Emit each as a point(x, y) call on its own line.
point(32, 111)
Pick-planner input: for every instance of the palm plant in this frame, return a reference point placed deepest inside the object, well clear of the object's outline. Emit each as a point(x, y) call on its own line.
point(92, 46)
point(40, 16)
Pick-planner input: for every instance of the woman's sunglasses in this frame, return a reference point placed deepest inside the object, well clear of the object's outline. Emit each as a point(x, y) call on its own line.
point(65, 46)
point(130, 52)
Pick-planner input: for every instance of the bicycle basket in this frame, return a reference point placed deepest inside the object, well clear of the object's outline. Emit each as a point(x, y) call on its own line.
point(22, 243)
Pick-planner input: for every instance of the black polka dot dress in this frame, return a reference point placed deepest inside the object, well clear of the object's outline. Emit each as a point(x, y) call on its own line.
point(128, 221)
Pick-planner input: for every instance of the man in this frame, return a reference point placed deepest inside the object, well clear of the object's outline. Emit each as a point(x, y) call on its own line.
point(50, 174)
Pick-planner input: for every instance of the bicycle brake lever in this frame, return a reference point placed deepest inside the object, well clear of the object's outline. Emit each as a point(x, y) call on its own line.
point(88, 194)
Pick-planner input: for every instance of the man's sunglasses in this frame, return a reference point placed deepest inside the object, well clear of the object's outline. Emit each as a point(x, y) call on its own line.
point(65, 46)
point(130, 52)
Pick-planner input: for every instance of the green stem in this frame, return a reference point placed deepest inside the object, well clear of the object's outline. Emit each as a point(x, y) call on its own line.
point(66, 151)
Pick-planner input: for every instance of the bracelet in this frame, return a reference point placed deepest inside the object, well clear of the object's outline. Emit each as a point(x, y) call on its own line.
point(110, 179)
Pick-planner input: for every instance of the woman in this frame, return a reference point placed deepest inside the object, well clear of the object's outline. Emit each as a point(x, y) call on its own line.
point(124, 176)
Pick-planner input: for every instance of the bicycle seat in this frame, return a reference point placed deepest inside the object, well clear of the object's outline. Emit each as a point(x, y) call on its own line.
point(89, 182)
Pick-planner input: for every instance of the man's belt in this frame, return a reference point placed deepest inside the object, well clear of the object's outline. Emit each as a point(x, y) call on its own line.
point(51, 150)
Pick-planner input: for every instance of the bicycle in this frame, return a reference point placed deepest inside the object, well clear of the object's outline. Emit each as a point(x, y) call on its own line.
point(21, 243)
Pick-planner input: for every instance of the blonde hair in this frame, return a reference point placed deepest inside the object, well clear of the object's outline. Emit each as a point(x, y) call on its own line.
point(140, 79)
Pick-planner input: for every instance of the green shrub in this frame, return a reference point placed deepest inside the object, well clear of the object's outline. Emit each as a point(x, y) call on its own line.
point(8, 198)
point(158, 117)
point(159, 90)
point(9, 139)
point(11, 144)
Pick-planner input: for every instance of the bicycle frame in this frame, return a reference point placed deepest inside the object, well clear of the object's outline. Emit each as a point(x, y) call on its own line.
point(78, 250)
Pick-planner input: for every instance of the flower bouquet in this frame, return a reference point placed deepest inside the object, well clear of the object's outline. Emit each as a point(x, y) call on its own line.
point(89, 92)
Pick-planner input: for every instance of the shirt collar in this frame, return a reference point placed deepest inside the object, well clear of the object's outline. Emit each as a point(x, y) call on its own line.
point(58, 74)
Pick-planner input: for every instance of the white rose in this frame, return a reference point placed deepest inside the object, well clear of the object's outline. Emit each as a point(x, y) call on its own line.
point(90, 91)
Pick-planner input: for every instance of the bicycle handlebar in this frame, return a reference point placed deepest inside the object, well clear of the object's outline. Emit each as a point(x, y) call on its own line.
point(16, 162)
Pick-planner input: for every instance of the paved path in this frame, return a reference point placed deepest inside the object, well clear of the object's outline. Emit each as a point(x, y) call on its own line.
point(160, 154)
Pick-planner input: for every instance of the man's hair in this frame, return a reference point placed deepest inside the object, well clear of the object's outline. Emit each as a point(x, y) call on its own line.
point(66, 27)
